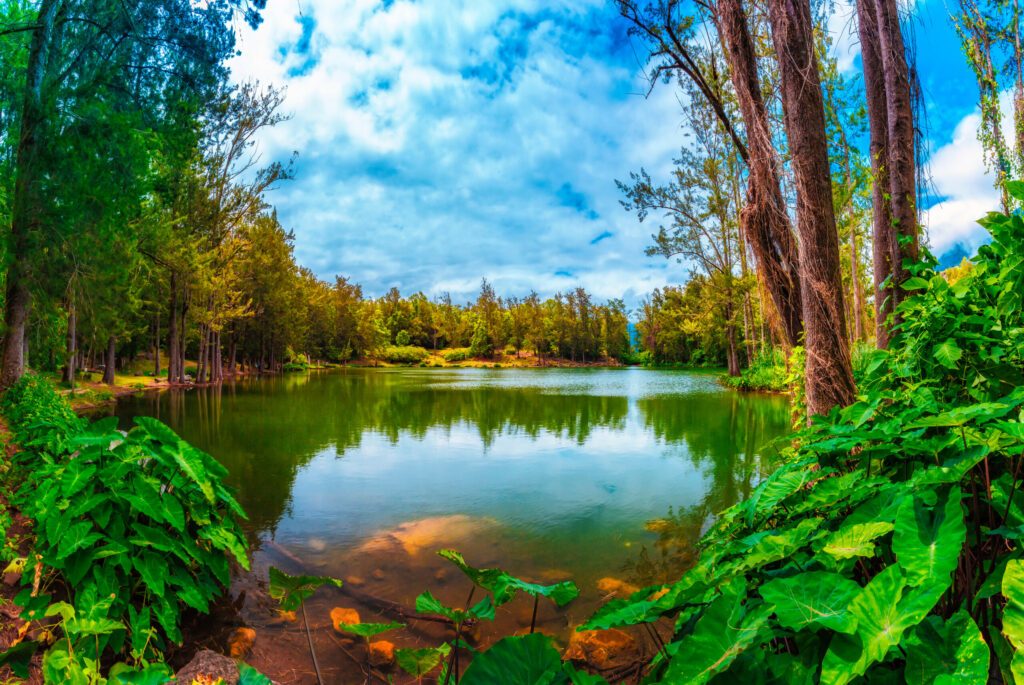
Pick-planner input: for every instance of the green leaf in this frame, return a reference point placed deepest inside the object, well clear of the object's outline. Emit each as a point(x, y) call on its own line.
point(17, 658)
point(155, 674)
point(247, 675)
point(420, 662)
point(1013, 615)
point(726, 629)
point(504, 586)
point(947, 353)
point(525, 660)
point(946, 653)
point(814, 599)
point(857, 540)
point(292, 591)
point(914, 283)
point(883, 615)
point(368, 630)
point(77, 536)
point(930, 531)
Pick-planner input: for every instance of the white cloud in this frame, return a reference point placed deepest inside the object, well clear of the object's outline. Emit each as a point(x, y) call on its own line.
point(447, 140)
point(842, 26)
point(964, 185)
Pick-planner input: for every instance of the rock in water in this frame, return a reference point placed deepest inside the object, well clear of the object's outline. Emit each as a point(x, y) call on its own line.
point(210, 665)
point(382, 654)
point(614, 586)
point(241, 641)
point(603, 649)
point(341, 615)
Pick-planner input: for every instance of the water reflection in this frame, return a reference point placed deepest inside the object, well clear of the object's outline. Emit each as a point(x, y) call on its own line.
point(562, 467)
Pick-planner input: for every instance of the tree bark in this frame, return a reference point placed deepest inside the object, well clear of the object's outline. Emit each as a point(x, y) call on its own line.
point(828, 377)
point(763, 220)
point(111, 361)
point(173, 360)
point(69, 366)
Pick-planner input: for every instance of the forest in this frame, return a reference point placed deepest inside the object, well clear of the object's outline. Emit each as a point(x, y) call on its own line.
point(881, 541)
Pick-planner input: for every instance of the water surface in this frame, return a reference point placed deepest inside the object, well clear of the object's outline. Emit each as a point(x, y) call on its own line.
point(584, 473)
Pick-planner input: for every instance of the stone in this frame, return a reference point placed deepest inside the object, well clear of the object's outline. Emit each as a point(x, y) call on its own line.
point(603, 649)
point(382, 654)
point(356, 581)
point(210, 666)
point(341, 615)
point(378, 574)
point(240, 642)
point(614, 586)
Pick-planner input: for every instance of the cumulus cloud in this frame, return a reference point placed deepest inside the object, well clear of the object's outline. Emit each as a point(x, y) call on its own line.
point(448, 140)
point(964, 186)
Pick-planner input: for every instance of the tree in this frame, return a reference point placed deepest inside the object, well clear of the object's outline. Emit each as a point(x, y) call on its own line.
point(828, 376)
point(887, 81)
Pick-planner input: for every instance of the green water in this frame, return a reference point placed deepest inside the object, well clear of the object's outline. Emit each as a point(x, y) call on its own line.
point(365, 473)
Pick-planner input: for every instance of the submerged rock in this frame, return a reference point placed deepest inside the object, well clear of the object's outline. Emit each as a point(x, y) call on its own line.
point(341, 615)
point(240, 642)
point(382, 653)
point(603, 649)
point(211, 666)
point(614, 586)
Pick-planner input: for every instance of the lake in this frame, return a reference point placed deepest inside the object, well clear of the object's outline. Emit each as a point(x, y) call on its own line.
point(604, 476)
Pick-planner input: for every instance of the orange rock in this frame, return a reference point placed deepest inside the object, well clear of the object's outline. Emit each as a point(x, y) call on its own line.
point(382, 653)
point(341, 615)
point(659, 594)
point(614, 586)
point(603, 649)
point(240, 642)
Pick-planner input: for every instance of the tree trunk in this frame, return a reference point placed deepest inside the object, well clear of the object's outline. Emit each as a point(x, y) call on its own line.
point(887, 85)
point(69, 366)
point(828, 378)
point(26, 203)
point(111, 361)
point(156, 345)
point(173, 360)
point(763, 220)
point(201, 361)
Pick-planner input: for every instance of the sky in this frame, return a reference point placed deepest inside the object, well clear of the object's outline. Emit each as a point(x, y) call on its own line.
point(445, 141)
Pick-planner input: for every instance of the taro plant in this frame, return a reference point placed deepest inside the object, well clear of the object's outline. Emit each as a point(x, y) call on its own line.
point(426, 603)
point(367, 631)
point(525, 660)
point(887, 548)
point(504, 586)
point(420, 662)
point(291, 593)
point(132, 529)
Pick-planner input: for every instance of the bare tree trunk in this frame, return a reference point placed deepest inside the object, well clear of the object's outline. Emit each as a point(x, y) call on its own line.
point(69, 366)
point(828, 378)
point(201, 361)
point(156, 344)
point(856, 286)
point(763, 220)
point(173, 359)
point(111, 361)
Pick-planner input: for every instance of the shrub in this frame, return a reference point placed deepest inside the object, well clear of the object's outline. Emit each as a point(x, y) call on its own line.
point(767, 372)
point(404, 355)
point(295, 366)
point(887, 546)
point(402, 339)
point(131, 528)
point(458, 354)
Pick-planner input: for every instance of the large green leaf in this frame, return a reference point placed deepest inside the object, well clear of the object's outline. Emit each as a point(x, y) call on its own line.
point(884, 613)
point(813, 599)
point(1013, 615)
point(725, 630)
point(367, 630)
point(292, 591)
point(930, 531)
point(419, 662)
point(948, 353)
point(857, 540)
point(525, 660)
point(426, 603)
point(946, 653)
point(504, 586)
point(17, 658)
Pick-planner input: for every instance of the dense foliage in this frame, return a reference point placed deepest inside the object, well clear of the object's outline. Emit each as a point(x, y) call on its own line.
point(131, 530)
point(887, 547)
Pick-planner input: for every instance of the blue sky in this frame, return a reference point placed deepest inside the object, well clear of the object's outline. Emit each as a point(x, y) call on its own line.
point(441, 141)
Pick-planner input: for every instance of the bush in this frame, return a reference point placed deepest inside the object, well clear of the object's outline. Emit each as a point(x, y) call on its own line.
point(767, 372)
point(458, 354)
point(131, 528)
point(887, 547)
point(404, 355)
point(402, 339)
point(295, 366)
